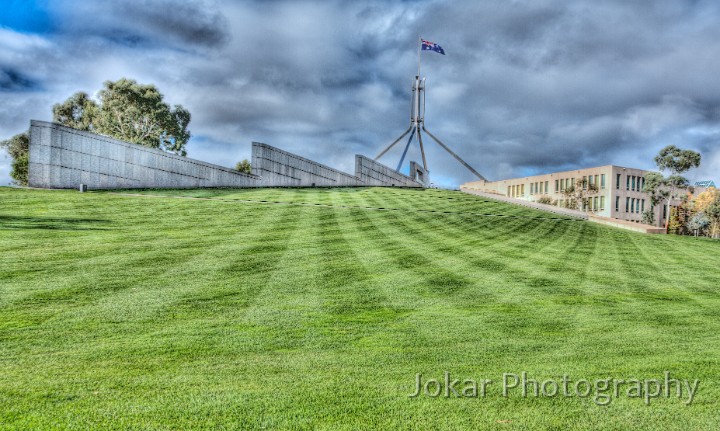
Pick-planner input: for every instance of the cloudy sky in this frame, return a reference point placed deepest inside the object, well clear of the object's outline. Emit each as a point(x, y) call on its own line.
point(526, 87)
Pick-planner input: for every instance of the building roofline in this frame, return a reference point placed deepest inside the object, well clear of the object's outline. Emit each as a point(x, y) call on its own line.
point(560, 173)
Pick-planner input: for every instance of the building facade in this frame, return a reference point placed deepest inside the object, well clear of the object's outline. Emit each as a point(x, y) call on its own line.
point(618, 193)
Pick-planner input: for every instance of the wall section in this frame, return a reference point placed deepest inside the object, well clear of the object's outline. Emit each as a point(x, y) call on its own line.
point(64, 158)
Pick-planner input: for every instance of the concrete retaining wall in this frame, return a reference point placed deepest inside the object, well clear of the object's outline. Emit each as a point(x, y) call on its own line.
point(628, 225)
point(64, 158)
point(279, 168)
point(372, 173)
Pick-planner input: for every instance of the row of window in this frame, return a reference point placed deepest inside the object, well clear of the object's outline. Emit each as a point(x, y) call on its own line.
point(543, 187)
point(591, 180)
point(632, 205)
point(594, 180)
point(517, 190)
point(633, 182)
point(564, 183)
point(539, 187)
point(594, 204)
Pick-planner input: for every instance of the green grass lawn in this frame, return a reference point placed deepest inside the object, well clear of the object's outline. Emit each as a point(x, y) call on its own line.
point(315, 309)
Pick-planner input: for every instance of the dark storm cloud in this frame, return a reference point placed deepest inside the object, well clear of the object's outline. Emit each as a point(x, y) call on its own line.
point(12, 80)
point(526, 86)
point(146, 23)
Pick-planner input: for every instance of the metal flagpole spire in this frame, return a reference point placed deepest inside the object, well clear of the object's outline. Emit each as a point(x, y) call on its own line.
point(417, 118)
point(419, 48)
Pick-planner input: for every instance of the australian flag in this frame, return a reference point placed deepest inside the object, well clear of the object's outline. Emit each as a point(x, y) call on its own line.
point(429, 46)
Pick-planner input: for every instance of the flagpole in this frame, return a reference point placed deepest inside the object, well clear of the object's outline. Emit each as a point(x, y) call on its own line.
point(419, 46)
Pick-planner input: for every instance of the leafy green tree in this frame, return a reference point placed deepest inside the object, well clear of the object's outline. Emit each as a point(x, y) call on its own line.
point(713, 213)
point(18, 148)
point(661, 188)
point(130, 112)
point(244, 166)
point(78, 112)
point(677, 161)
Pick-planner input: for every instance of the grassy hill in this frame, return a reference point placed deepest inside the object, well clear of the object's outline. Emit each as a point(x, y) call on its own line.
point(312, 308)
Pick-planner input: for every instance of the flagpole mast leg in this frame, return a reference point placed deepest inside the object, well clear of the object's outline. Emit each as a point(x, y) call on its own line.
point(445, 147)
point(402, 158)
point(382, 153)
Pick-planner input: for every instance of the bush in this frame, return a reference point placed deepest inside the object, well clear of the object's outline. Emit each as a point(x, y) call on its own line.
point(244, 166)
point(547, 200)
point(648, 217)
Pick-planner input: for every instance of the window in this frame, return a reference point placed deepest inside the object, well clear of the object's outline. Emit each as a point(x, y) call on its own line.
point(508, 193)
point(617, 184)
point(617, 203)
point(546, 186)
point(595, 203)
point(632, 205)
point(602, 182)
point(522, 190)
point(643, 205)
point(590, 181)
point(664, 212)
point(557, 186)
point(641, 188)
point(628, 182)
point(633, 183)
point(585, 183)
point(532, 188)
point(627, 204)
point(602, 203)
point(597, 179)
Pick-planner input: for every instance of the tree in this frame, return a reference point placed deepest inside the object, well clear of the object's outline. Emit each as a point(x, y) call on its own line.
point(244, 166)
point(704, 199)
point(577, 195)
point(18, 147)
point(698, 223)
point(130, 112)
point(78, 112)
point(677, 162)
point(713, 213)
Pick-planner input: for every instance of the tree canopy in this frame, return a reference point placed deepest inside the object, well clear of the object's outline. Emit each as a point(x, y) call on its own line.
point(126, 110)
point(130, 112)
point(661, 188)
point(18, 147)
point(677, 161)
